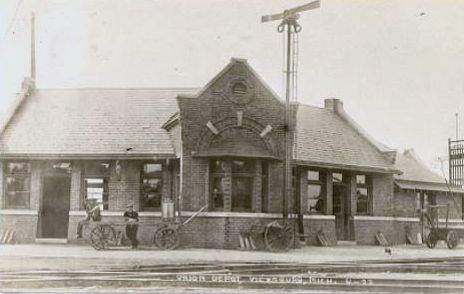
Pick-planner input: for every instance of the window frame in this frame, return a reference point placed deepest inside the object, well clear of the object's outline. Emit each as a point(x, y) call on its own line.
point(23, 175)
point(321, 182)
point(230, 175)
point(104, 174)
point(145, 176)
point(368, 186)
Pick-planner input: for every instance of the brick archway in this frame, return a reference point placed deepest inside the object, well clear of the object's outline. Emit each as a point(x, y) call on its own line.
point(237, 140)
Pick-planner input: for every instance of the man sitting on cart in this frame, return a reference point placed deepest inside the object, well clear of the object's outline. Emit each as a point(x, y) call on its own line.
point(93, 212)
point(132, 225)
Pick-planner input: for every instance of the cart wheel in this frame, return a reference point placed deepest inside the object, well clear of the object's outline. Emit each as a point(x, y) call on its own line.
point(278, 237)
point(166, 238)
point(431, 240)
point(452, 239)
point(101, 236)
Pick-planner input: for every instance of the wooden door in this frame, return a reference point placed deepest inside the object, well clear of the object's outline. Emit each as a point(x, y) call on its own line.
point(54, 213)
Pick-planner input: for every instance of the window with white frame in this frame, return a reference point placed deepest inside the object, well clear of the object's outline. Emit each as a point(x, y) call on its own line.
point(17, 184)
point(316, 191)
point(236, 175)
point(96, 177)
point(363, 195)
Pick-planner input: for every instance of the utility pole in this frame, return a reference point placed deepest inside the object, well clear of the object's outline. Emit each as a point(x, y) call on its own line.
point(457, 126)
point(289, 22)
point(33, 73)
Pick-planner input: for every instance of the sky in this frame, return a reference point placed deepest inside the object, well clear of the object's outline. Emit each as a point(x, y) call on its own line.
point(397, 65)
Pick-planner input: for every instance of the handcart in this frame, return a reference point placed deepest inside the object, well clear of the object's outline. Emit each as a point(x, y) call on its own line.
point(437, 231)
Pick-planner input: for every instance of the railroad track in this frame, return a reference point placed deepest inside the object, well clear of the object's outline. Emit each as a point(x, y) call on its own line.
point(428, 276)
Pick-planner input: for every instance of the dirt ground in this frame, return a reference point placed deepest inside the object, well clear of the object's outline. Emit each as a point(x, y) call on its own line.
point(67, 256)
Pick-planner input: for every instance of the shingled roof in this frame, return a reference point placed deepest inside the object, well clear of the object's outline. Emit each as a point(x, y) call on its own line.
point(106, 123)
point(92, 122)
point(326, 139)
point(414, 170)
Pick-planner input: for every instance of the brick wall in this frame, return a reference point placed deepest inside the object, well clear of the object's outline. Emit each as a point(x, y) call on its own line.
point(365, 230)
point(401, 227)
point(24, 226)
point(125, 188)
point(276, 178)
point(176, 139)
point(76, 182)
point(313, 226)
point(393, 229)
point(2, 199)
point(405, 203)
point(455, 207)
point(207, 231)
point(216, 105)
point(382, 193)
point(195, 182)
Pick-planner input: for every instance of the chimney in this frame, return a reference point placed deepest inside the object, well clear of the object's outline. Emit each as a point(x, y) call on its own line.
point(334, 104)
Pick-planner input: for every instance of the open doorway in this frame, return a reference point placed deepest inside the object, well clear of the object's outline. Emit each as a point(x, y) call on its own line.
point(54, 209)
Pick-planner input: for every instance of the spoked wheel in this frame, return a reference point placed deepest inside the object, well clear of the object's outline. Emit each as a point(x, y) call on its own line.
point(166, 238)
point(278, 236)
point(452, 239)
point(431, 240)
point(101, 236)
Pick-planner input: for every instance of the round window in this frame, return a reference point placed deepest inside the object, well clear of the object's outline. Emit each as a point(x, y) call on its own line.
point(239, 89)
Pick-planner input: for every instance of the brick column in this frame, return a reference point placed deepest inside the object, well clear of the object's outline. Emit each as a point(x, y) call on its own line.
point(353, 206)
point(382, 195)
point(208, 198)
point(36, 185)
point(329, 193)
point(2, 194)
point(353, 196)
point(257, 188)
point(303, 191)
point(76, 182)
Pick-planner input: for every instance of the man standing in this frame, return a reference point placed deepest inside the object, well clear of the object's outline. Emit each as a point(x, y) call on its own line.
point(92, 209)
point(132, 225)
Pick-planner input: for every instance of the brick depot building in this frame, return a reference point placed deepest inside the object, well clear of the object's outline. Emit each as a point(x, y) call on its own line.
point(221, 146)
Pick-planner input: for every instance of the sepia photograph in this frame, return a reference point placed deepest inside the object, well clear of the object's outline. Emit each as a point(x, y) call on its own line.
point(231, 146)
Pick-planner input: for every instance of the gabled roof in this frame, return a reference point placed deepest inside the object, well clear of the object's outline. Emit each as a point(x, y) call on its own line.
point(232, 62)
point(414, 170)
point(325, 139)
point(100, 123)
point(92, 122)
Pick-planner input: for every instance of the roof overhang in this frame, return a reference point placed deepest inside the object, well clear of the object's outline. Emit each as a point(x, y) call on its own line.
point(50, 156)
point(347, 167)
point(428, 186)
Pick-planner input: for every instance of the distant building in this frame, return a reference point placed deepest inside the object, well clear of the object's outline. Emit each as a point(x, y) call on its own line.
point(418, 187)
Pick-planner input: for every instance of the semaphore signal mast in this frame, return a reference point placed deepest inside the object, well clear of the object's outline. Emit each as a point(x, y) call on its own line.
point(290, 26)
